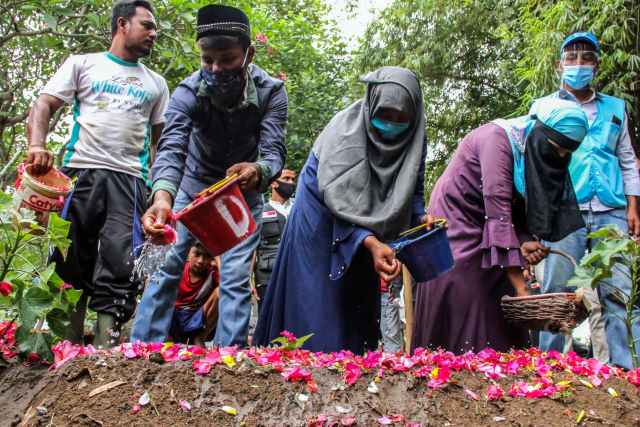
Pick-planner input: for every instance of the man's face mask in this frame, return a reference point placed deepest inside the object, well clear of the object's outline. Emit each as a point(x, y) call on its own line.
point(578, 68)
point(578, 76)
point(226, 85)
point(389, 130)
point(285, 189)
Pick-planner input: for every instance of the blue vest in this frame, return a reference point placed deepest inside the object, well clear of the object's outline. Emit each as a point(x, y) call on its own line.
point(595, 167)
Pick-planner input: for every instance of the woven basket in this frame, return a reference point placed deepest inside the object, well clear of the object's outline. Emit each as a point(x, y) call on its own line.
point(558, 312)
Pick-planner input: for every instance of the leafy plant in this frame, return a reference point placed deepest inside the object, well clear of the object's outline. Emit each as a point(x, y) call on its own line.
point(30, 290)
point(288, 341)
point(614, 249)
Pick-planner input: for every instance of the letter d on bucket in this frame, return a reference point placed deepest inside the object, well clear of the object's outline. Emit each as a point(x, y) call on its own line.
point(220, 219)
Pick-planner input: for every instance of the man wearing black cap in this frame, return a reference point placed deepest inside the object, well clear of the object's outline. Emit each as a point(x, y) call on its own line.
point(227, 118)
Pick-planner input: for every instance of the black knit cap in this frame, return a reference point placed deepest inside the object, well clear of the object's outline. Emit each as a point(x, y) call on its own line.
point(217, 19)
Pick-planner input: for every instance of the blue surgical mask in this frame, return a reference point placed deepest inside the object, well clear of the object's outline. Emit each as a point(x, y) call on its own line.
point(578, 76)
point(388, 130)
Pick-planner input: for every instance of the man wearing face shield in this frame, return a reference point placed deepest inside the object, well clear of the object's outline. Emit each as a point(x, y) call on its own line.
point(227, 118)
point(606, 183)
point(362, 184)
point(507, 182)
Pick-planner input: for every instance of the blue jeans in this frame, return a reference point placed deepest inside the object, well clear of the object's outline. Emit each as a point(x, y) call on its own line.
point(154, 314)
point(558, 271)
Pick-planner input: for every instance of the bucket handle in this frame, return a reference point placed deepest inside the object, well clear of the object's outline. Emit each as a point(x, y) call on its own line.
point(217, 185)
point(399, 246)
point(439, 222)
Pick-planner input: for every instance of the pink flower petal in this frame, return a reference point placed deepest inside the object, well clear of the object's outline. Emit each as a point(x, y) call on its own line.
point(186, 406)
point(348, 421)
point(385, 421)
point(471, 394)
point(351, 373)
point(494, 392)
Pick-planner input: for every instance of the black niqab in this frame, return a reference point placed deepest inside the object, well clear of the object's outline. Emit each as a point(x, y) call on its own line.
point(552, 211)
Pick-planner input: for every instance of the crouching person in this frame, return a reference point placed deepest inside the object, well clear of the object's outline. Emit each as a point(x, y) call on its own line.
point(196, 311)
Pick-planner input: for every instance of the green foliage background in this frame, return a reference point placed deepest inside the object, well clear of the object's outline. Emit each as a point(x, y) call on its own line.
point(301, 43)
point(477, 59)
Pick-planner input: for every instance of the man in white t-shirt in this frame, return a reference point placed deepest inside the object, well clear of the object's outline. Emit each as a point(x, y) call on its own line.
point(118, 115)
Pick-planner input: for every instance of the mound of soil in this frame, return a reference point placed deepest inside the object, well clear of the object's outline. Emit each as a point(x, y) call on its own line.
point(104, 389)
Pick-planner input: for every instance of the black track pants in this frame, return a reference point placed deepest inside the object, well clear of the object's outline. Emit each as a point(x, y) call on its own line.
point(104, 211)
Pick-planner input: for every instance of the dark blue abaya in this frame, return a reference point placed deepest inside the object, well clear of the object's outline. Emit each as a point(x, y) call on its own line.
point(323, 281)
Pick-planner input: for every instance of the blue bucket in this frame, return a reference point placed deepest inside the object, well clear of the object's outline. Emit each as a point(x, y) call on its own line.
point(426, 253)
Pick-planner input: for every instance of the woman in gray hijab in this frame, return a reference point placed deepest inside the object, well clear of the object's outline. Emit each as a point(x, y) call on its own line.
point(362, 185)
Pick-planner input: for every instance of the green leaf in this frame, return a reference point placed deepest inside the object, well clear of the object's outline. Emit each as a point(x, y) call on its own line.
point(280, 340)
point(58, 321)
point(286, 345)
point(300, 341)
point(5, 302)
point(51, 21)
point(57, 231)
point(5, 200)
point(610, 231)
point(35, 302)
point(45, 276)
point(72, 296)
point(34, 342)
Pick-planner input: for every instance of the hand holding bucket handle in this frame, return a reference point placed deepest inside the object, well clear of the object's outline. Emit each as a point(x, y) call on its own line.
point(249, 175)
point(384, 258)
point(40, 158)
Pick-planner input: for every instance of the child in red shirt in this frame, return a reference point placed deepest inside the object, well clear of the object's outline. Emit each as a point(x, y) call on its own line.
point(196, 310)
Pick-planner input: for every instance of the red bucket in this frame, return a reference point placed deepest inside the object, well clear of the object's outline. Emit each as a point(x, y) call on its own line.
point(219, 218)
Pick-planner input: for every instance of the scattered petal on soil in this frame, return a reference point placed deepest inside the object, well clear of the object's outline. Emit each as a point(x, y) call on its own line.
point(186, 406)
point(343, 409)
point(586, 384)
point(144, 399)
point(229, 360)
point(471, 394)
point(230, 410)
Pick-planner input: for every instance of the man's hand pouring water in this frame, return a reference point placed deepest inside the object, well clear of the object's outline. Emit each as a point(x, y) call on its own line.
point(156, 216)
point(159, 213)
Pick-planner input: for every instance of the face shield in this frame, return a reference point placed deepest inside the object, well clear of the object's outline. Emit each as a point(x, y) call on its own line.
point(579, 57)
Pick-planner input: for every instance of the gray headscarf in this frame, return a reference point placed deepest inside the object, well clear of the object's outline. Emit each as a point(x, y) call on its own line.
point(362, 178)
